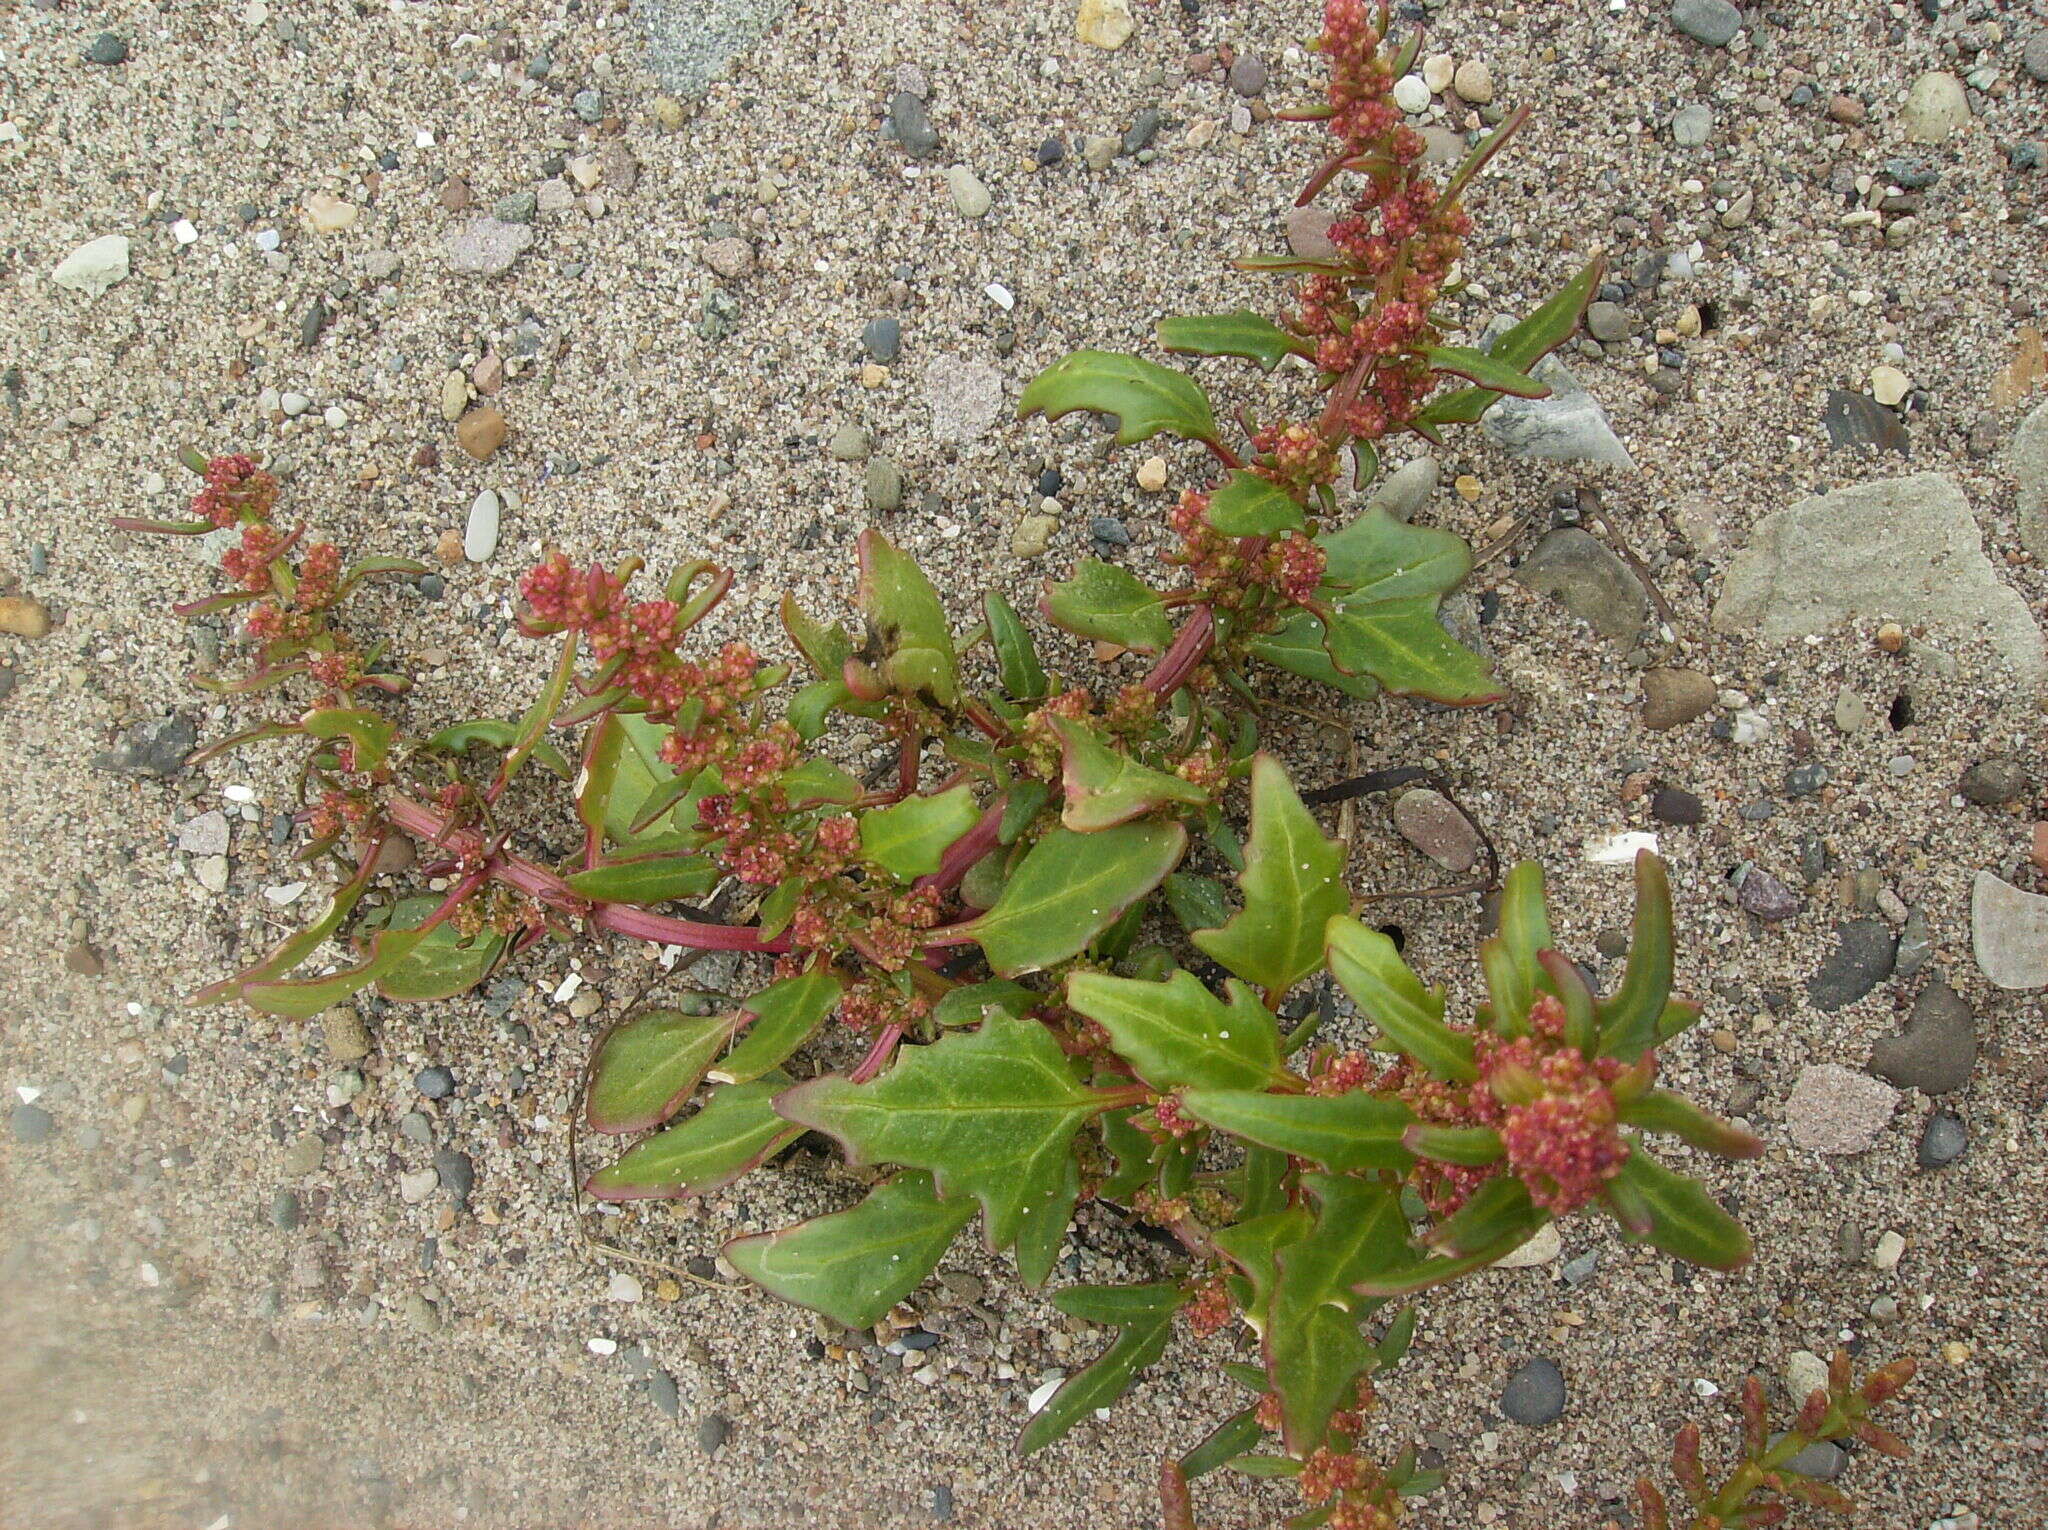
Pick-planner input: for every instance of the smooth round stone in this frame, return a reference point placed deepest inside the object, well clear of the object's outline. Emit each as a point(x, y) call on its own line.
point(480, 532)
point(1935, 107)
point(970, 196)
point(1411, 94)
point(1534, 1394)
point(1944, 1140)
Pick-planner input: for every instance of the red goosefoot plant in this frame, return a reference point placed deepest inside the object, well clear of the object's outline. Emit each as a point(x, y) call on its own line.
point(977, 919)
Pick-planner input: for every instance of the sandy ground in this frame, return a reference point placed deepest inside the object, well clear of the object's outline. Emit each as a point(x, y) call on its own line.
point(173, 1356)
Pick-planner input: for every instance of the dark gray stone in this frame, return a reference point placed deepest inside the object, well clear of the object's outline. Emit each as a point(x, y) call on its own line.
point(1916, 945)
point(1713, 22)
point(284, 1210)
point(1144, 127)
point(458, 1174)
point(1805, 780)
point(661, 1391)
point(108, 48)
point(1534, 1394)
point(31, 1123)
point(713, 1431)
point(1248, 75)
point(1107, 528)
point(436, 1083)
point(1823, 1460)
point(883, 485)
point(1862, 959)
point(942, 1503)
point(1672, 804)
point(1944, 1140)
point(884, 339)
point(1936, 1050)
point(1577, 570)
point(588, 105)
point(912, 125)
point(1990, 783)
point(156, 749)
point(517, 206)
point(1857, 419)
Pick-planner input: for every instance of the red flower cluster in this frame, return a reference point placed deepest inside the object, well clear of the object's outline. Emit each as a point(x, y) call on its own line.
point(236, 490)
point(1227, 569)
point(1553, 1109)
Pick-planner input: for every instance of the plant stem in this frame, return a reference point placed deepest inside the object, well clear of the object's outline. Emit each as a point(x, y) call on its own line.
point(1190, 646)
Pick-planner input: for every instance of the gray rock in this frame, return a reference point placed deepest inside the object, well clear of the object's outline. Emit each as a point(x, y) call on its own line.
point(1675, 696)
point(661, 1391)
point(1988, 783)
point(1936, 1050)
point(1672, 804)
point(1248, 75)
point(713, 1431)
point(883, 338)
point(588, 105)
point(1833, 1109)
point(205, 835)
point(883, 486)
point(2034, 57)
point(1576, 569)
point(94, 266)
point(1916, 945)
point(1857, 419)
point(1407, 489)
point(1942, 1141)
point(211, 872)
point(1692, 125)
point(420, 1314)
point(2009, 933)
point(1432, 824)
point(517, 207)
point(1568, 426)
point(965, 397)
point(730, 257)
point(970, 196)
point(1534, 1394)
point(157, 749)
point(1823, 1460)
point(1935, 107)
point(304, 1155)
point(1765, 896)
point(457, 1174)
point(108, 48)
point(1608, 323)
point(1308, 233)
point(1904, 549)
point(849, 443)
point(436, 1083)
point(31, 1123)
point(912, 124)
point(415, 1127)
point(1109, 530)
point(1713, 22)
point(284, 1210)
point(1862, 958)
point(690, 43)
point(2030, 467)
point(488, 247)
point(1144, 127)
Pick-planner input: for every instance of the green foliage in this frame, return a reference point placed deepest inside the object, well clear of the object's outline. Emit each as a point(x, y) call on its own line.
point(1143, 1316)
point(1111, 605)
point(1243, 333)
point(736, 1128)
point(1292, 888)
point(1146, 398)
point(1071, 888)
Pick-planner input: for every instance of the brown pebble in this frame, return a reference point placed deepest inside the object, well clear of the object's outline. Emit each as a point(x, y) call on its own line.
point(427, 456)
point(481, 431)
point(1724, 1040)
point(84, 960)
point(1891, 637)
point(449, 547)
point(455, 194)
point(1847, 109)
point(24, 617)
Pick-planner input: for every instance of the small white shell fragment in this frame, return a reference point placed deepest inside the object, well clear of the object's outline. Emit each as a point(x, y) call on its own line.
point(480, 534)
point(1620, 849)
point(604, 1346)
point(1042, 1394)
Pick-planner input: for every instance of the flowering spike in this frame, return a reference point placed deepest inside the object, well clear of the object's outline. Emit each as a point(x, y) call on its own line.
point(1755, 1430)
point(1885, 1383)
point(1650, 1504)
point(1685, 1462)
point(1840, 1377)
point(1880, 1439)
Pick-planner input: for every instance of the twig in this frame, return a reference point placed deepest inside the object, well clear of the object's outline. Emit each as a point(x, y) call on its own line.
point(1590, 509)
point(1405, 775)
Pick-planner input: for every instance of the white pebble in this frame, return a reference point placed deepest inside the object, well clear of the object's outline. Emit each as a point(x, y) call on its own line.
point(604, 1346)
point(1001, 296)
point(294, 404)
point(623, 1288)
point(184, 232)
point(1042, 1394)
point(268, 239)
point(480, 534)
point(286, 895)
point(239, 793)
point(1411, 94)
point(334, 417)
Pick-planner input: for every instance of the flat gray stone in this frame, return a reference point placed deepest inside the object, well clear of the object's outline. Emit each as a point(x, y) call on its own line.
point(1713, 22)
point(1577, 570)
point(1902, 549)
point(1407, 489)
point(1935, 107)
point(690, 43)
point(1834, 1109)
point(1534, 1395)
point(1432, 824)
point(488, 247)
point(1936, 1050)
point(1864, 952)
point(2009, 933)
point(965, 397)
point(94, 266)
point(2030, 467)
point(1568, 426)
point(205, 835)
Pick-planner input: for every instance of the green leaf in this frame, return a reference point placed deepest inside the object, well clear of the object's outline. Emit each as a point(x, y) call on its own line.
point(1110, 605)
point(1684, 1221)
point(441, 963)
point(815, 781)
point(904, 612)
point(1250, 506)
point(966, 1005)
point(369, 734)
point(1265, 1467)
point(302, 998)
point(1499, 1209)
point(909, 838)
point(649, 1063)
point(1401, 644)
point(1146, 398)
point(1143, 1316)
point(1487, 370)
point(1343, 1131)
point(1070, 888)
point(1136, 1156)
point(1662, 1111)
point(1254, 1246)
point(1473, 1146)
point(736, 1128)
point(1509, 958)
point(646, 879)
point(855, 1265)
point(786, 1015)
point(363, 568)
point(992, 1112)
point(1197, 902)
point(1522, 347)
point(1233, 1437)
point(1105, 786)
point(538, 718)
point(1629, 1020)
point(1376, 557)
point(1242, 333)
point(1391, 996)
point(825, 648)
point(1314, 1350)
point(300, 944)
point(1292, 884)
point(1044, 1225)
point(1261, 1181)
point(1301, 647)
point(1023, 677)
point(624, 779)
point(496, 733)
point(1178, 1033)
point(809, 707)
point(1021, 804)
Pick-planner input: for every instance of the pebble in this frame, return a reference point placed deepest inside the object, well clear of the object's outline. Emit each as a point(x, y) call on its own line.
point(1151, 474)
point(966, 397)
point(211, 872)
point(348, 1040)
point(911, 124)
point(1691, 126)
point(415, 1186)
point(1473, 82)
point(454, 396)
point(328, 214)
point(1943, 1141)
point(157, 749)
point(1862, 958)
point(1407, 489)
point(661, 1391)
point(712, 1432)
point(1889, 386)
point(304, 1155)
point(2009, 933)
point(108, 48)
point(1805, 1374)
point(1568, 426)
point(1099, 151)
point(1534, 1394)
point(455, 1173)
point(1412, 94)
point(1033, 535)
point(1675, 696)
point(1578, 570)
point(1916, 944)
point(1143, 129)
point(1935, 107)
point(730, 257)
point(31, 1124)
point(420, 1314)
point(23, 616)
point(481, 431)
point(551, 197)
point(883, 486)
point(488, 247)
point(849, 443)
point(480, 531)
point(293, 404)
point(1608, 323)
point(883, 338)
point(414, 1126)
point(1248, 75)
point(1837, 1110)
point(1936, 1050)
point(94, 266)
point(1428, 821)
point(1891, 1248)
point(436, 1083)
point(1105, 24)
point(588, 106)
point(1541, 1248)
point(1109, 531)
point(970, 197)
point(1713, 22)
point(1438, 70)
point(1763, 895)
point(1671, 804)
point(1989, 783)
point(623, 1288)
point(1308, 233)
point(1856, 419)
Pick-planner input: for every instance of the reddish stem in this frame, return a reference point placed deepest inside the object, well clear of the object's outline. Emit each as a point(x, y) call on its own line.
point(1190, 646)
point(965, 851)
point(878, 1054)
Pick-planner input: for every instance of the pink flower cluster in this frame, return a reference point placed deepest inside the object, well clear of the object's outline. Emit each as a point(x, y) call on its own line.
point(1227, 569)
point(1564, 1142)
point(236, 489)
